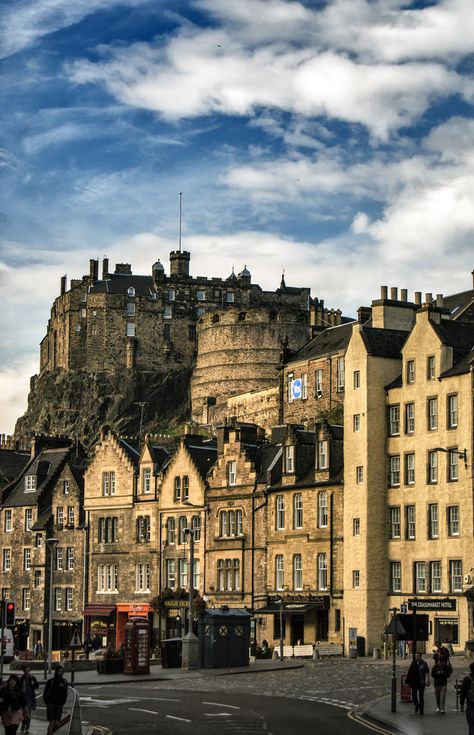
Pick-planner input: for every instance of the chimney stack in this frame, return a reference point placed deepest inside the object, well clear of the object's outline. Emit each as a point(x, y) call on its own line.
point(394, 293)
point(63, 284)
point(105, 269)
point(93, 270)
point(428, 298)
point(418, 298)
point(383, 292)
point(439, 300)
point(403, 294)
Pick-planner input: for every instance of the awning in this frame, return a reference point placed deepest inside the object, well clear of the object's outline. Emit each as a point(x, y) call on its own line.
point(294, 608)
point(101, 610)
point(134, 608)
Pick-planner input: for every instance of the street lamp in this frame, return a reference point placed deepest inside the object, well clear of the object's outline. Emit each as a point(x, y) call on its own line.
point(51, 544)
point(190, 643)
point(461, 454)
point(280, 604)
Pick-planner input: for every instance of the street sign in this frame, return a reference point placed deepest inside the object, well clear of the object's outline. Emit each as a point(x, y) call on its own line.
point(433, 604)
point(76, 640)
point(395, 628)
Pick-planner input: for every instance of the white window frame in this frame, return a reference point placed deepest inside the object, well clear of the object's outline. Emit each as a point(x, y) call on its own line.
point(30, 483)
point(70, 515)
point(28, 518)
point(304, 386)
point(280, 512)
point(298, 510)
point(279, 572)
point(26, 598)
point(355, 579)
point(432, 414)
point(356, 379)
point(420, 577)
point(455, 575)
point(410, 468)
point(435, 577)
point(323, 509)
point(356, 526)
point(297, 572)
point(323, 455)
point(142, 577)
point(70, 558)
point(183, 573)
point(131, 329)
point(8, 522)
point(453, 411)
point(410, 418)
point(107, 577)
point(69, 599)
point(7, 560)
point(171, 573)
point(432, 467)
point(318, 383)
point(410, 515)
point(394, 420)
point(433, 521)
point(410, 371)
point(146, 482)
point(453, 466)
point(289, 458)
point(359, 474)
point(395, 520)
point(131, 308)
point(396, 576)
point(356, 422)
point(58, 599)
point(430, 367)
point(322, 572)
point(394, 470)
point(27, 559)
point(453, 520)
point(232, 473)
point(59, 565)
point(340, 374)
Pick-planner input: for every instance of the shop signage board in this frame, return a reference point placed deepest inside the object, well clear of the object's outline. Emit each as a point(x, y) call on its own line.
point(446, 605)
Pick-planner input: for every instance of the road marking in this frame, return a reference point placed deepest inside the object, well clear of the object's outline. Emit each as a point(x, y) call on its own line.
point(163, 699)
point(219, 704)
point(148, 711)
point(369, 725)
point(217, 714)
point(181, 719)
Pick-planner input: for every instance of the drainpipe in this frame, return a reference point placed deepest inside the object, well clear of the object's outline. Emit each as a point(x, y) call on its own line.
point(85, 569)
point(331, 545)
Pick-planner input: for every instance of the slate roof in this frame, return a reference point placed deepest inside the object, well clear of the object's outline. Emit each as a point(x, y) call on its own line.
point(46, 467)
point(456, 303)
point(159, 455)
point(383, 342)
point(203, 455)
point(119, 283)
point(333, 339)
point(12, 463)
point(130, 449)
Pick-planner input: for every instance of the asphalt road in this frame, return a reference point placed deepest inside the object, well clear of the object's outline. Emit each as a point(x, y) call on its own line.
point(134, 709)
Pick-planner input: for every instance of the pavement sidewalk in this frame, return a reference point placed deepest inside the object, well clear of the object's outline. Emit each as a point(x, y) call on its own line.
point(405, 721)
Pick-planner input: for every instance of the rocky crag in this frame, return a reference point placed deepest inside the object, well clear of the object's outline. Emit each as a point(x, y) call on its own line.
point(78, 403)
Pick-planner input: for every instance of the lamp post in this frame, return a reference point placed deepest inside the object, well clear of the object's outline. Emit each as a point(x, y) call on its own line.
point(51, 544)
point(190, 643)
point(280, 604)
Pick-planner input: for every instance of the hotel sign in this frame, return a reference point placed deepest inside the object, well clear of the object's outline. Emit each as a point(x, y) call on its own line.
point(445, 605)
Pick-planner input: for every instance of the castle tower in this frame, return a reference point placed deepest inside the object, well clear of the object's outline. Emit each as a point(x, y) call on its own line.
point(179, 263)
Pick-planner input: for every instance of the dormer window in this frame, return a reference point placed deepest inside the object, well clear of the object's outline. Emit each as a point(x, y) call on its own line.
point(30, 483)
point(147, 480)
point(131, 292)
point(229, 297)
point(177, 489)
point(289, 458)
point(323, 455)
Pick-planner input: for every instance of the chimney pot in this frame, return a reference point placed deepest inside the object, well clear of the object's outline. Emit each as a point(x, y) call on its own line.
point(428, 298)
point(404, 294)
point(383, 292)
point(439, 300)
point(418, 297)
point(394, 293)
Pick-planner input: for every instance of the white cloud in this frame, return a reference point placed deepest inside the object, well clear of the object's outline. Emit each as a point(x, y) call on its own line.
point(14, 382)
point(26, 21)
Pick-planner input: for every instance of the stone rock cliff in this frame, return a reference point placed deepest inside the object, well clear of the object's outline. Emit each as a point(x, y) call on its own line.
point(81, 403)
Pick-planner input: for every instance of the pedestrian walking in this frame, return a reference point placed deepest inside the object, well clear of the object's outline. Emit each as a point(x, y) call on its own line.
point(55, 695)
point(12, 704)
point(38, 650)
point(467, 698)
point(418, 677)
point(29, 685)
point(441, 650)
point(440, 674)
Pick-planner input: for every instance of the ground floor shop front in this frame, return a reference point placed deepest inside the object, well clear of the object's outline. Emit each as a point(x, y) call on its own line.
point(298, 620)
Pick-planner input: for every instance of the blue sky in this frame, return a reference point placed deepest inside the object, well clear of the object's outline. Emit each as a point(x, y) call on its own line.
point(332, 139)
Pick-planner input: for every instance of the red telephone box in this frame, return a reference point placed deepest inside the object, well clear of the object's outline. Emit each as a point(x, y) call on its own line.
point(137, 646)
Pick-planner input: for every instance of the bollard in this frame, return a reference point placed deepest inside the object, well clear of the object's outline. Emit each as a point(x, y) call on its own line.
point(376, 653)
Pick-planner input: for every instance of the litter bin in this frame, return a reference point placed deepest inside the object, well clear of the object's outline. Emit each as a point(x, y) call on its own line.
point(405, 690)
point(171, 653)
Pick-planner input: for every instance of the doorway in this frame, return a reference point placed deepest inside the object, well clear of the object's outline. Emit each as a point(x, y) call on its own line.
point(297, 629)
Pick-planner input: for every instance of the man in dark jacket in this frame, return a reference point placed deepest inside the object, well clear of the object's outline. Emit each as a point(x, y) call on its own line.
point(55, 695)
point(417, 678)
point(440, 673)
point(467, 696)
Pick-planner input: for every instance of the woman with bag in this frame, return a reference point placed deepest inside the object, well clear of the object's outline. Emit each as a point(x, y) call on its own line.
point(12, 705)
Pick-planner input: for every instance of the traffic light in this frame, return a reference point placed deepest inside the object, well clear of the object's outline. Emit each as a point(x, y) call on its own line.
point(9, 614)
